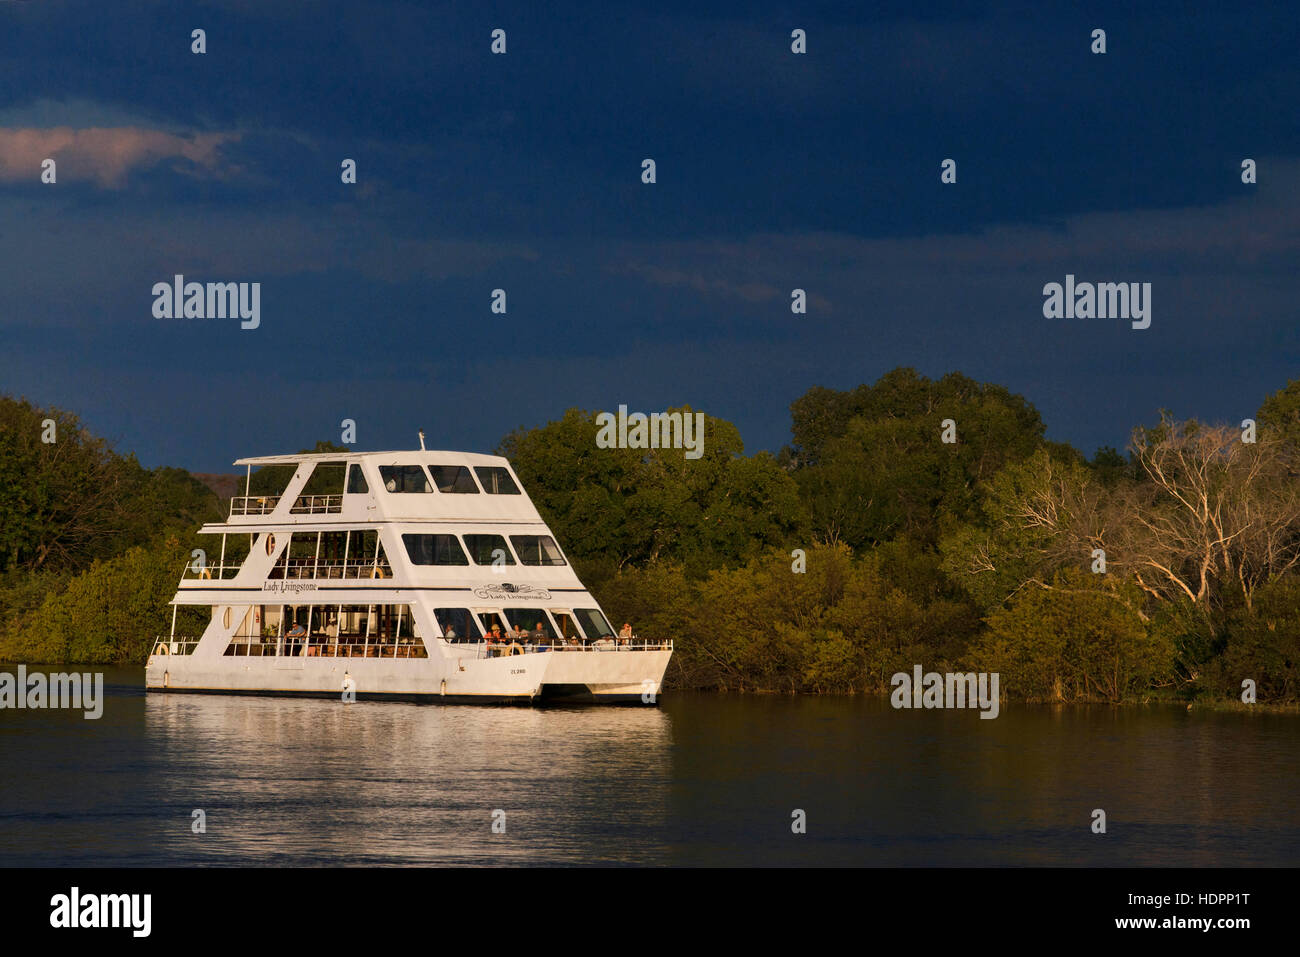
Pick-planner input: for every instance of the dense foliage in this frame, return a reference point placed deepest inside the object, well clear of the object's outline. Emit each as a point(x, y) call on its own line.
point(867, 546)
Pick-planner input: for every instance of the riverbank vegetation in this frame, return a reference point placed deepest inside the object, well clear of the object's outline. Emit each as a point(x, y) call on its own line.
point(868, 545)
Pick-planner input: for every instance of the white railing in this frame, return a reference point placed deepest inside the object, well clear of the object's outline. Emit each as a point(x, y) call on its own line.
point(323, 568)
point(253, 504)
point(317, 504)
point(503, 649)
point(302, 505)
point(325, 647)
point(210, 571)
point(174, 645)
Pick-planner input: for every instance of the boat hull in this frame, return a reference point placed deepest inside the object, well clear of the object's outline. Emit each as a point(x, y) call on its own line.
point(537, 678)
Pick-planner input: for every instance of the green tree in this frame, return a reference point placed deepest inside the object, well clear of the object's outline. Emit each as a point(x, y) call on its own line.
point(871, 463)
point(613, 507)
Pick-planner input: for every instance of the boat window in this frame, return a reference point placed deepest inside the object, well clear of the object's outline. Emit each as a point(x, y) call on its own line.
point(366, 557)
point(453, 478)
point(490, 618)
point(326, 479)
point(457, 624)
point(537, 550)
point(405, 478)
point(434, 550)
point(489, 550)
point(594, 623)
point(357, 484)
point(530, 619)
point(496, 480)
point(568, 627)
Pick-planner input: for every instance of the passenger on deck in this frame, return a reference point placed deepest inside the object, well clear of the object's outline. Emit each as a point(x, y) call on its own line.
point(293, 638)
point(625, 633)
point(493, 637)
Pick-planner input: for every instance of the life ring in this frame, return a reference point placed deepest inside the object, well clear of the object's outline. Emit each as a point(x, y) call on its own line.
point(206, 573)
point(270, 544)
point(514, 649)
point(377, 572)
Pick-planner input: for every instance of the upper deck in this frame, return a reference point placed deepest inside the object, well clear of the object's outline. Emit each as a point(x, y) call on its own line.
point(376, 487)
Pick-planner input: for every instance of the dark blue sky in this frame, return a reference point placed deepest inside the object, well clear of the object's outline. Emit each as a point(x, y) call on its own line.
point(522, 172)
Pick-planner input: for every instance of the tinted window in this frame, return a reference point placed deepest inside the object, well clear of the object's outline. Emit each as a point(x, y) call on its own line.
point(486, 549)
point(434, 550)
point(404, 478)
point(568, 627)
point(457, 624)
point(357, 483)
point(594, 623)
point(453, 478)
point(496, 480)
point(537, 550)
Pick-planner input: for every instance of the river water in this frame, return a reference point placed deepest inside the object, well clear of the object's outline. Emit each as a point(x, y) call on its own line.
point(701, 780)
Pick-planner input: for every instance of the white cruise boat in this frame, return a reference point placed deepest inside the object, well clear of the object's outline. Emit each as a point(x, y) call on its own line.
point(419, 575)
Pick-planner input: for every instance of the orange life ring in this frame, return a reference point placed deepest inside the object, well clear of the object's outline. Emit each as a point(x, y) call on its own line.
point(270, 543)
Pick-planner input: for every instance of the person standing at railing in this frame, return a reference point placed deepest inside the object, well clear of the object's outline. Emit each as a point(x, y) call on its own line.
point(293, 637)
point(625, 634)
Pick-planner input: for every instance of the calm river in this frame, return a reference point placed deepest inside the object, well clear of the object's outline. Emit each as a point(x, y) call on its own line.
point(702, 780)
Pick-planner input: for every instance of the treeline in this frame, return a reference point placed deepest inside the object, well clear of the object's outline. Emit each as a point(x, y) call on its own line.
point(90, 541)
point(868, 545)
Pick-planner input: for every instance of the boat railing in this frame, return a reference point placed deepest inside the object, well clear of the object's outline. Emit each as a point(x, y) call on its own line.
point(253, 504)
point(326, 647)
point(504, 649)
point(205, 570)
point(317, 505)
point(174, 644)
point(330, 568)
point(302, 505)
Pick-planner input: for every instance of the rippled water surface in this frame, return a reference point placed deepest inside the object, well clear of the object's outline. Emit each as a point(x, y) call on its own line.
point(703, 779)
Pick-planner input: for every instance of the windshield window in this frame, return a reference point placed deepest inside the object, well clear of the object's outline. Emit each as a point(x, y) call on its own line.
point(594, 623)
point(489, 550)
point(537, 550)
point(434, 550)
point(404, 478)
point(496, 480)
point(453, 478)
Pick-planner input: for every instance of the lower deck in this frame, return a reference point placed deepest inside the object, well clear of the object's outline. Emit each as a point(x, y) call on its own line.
point(479, 673)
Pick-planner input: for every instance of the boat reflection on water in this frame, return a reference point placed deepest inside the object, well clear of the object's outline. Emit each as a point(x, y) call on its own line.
point(305, 781)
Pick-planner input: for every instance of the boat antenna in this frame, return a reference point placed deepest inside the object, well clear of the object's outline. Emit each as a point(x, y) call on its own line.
point(422, 440)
